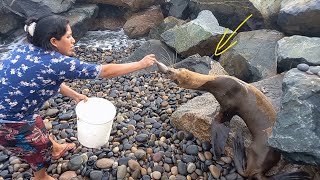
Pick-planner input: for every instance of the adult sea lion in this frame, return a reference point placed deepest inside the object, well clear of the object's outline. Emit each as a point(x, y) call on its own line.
point(238, 98)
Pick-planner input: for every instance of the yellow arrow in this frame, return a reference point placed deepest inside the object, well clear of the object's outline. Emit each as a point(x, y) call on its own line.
point(219, 47)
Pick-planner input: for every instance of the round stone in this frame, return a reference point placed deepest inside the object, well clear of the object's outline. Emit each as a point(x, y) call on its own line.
point(192, 150)
point(315, 69)
point(303, 67)
point(156, 175)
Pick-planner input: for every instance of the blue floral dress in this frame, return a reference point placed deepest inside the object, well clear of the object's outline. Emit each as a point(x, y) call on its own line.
point(28, 78)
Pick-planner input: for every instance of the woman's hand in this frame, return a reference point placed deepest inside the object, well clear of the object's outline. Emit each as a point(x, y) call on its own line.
point(148, 60)
point(80, 97)
point(67, 91)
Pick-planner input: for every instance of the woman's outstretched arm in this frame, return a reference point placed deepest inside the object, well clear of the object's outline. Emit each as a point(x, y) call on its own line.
point(113, 70)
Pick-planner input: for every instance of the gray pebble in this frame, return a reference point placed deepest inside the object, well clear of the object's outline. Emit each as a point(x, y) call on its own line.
point(182, 168)
point(192, 150)
point(315, 69)
point(303, 67)
point(96, 174)
point(121, 172)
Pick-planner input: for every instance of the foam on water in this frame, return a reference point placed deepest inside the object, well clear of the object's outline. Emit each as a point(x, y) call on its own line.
point(107, 40)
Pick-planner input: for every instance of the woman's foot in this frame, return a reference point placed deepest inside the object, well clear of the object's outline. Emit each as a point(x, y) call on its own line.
point(60, 149)
point(42, 175)
point(47, 177)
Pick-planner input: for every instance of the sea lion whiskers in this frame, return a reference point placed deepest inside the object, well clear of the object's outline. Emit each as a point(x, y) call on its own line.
point(168, 59)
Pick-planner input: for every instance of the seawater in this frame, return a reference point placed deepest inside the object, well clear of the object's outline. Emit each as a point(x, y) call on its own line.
point(7, 46)
point(106, 40)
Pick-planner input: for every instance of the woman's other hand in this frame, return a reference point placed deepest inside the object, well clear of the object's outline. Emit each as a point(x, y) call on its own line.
point(80, 97)
point(148, 60)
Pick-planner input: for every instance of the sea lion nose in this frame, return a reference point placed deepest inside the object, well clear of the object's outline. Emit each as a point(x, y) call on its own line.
point(162, 67)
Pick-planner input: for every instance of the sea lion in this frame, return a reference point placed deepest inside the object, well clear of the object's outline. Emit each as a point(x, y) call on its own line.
point(237, 97)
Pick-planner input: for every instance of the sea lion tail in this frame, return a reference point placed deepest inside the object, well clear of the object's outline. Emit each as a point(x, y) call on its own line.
point(239, 153)
point(300, 175)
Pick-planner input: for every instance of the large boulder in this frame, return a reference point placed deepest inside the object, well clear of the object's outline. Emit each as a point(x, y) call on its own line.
point(9, 21)
point(80, 17)
point(109, 17)
point(296, 132)
point(291, 51)
point(176, 8)
point(190, 118)
point(168, 23)
point(231, 13)
point(269, 10)
point(36, 8)
point(300, 17)
point(140, 24)
point(253, 57)
point(196, 63)
point(199, 36)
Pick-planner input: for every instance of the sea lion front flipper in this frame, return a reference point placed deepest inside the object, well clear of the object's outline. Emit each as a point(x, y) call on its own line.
point(239, 153)
point(219, 136)
point(301, 175)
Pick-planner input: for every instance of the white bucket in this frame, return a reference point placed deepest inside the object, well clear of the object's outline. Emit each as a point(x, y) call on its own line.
point(94, 121)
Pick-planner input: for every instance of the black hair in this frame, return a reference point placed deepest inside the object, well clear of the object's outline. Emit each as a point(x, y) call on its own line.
point(46, 28)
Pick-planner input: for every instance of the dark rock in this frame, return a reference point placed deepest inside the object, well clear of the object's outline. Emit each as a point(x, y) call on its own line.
point(253, 57)
point(142, 138)
point(4, 158)
point(290, 53)
point(96, 174)
point(206, 146)
point(297, 17)
point(196, 63)
point(146, 177)
point(295, 132)
point(192, 150)
point(231, 13)
point(182, 168)
point(188, 158)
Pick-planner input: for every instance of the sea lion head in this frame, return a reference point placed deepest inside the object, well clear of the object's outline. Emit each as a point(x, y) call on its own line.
point(185, 78)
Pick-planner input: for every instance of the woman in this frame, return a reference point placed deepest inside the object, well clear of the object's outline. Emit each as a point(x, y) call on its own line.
point(35, 72)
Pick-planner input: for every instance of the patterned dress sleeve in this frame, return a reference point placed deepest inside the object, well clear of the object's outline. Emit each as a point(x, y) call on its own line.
point(72, 68)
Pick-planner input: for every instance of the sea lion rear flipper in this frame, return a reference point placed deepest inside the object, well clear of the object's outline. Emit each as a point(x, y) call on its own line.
point(239, 152)
point(219, 136)
point(301, 175)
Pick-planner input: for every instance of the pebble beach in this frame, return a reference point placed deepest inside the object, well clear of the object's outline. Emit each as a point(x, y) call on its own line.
point(142, 144)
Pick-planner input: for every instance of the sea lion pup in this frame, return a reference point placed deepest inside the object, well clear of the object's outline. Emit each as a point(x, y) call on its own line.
point(238, 98)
